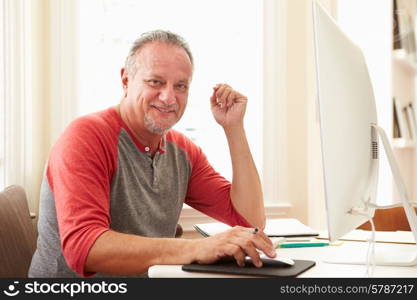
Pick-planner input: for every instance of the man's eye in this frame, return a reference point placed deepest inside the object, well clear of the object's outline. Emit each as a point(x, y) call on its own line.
point(182, 87)
point(154, 82)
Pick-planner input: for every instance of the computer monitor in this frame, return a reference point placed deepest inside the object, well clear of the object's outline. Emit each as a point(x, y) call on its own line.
point(349, 134)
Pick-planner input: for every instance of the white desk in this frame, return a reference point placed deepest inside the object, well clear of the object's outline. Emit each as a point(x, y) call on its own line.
point(321, 269)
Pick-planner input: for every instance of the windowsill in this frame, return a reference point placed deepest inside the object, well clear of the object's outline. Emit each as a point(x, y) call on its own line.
point(189, 216)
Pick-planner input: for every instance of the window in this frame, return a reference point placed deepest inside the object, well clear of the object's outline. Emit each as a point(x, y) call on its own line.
point(15, 64)
point(374, 38)
point(3, 95)
point(226, 43)
point(241, 42)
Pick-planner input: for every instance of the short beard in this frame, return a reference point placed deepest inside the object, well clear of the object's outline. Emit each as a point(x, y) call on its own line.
point(152, 127)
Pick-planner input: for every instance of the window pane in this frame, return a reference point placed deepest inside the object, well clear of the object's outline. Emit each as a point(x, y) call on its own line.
point(225, 38)
point(2, 96)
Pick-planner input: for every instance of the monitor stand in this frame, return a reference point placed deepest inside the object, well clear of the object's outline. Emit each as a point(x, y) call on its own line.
point(386, 257)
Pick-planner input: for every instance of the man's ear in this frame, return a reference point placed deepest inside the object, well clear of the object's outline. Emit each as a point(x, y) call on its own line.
point(125, 80)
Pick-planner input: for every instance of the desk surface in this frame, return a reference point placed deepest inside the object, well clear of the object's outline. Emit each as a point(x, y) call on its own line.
point(322, 269)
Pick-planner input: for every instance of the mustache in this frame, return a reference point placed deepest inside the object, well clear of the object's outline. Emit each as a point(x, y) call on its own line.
point(173, 107)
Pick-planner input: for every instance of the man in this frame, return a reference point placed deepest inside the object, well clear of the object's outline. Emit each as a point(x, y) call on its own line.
point(116, 180)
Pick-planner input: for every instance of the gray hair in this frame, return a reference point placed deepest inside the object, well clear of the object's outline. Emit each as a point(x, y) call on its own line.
point(154, 36)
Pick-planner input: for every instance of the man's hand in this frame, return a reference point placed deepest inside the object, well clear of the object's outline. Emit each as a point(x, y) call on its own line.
point(236, 243)
point(228, 106)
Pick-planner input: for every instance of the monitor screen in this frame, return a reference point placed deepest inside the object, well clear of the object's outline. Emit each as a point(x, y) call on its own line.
point(347, 112)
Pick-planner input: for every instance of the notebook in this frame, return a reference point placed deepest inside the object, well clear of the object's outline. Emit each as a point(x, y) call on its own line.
point(231, 267)
point(284, 227)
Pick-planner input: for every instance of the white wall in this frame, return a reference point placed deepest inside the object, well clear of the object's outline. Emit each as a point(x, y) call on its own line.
point(303, 145)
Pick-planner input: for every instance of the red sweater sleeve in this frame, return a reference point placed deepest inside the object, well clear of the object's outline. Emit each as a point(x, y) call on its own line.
point(208, 191)
point(79, 171)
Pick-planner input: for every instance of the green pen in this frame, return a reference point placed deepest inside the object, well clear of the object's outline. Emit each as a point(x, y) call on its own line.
point(300, 245)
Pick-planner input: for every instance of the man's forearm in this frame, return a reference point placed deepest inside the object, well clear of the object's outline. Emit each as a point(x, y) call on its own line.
point(125, 254)
point(246, 192)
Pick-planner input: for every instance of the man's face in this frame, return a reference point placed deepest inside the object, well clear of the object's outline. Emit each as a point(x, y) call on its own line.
point(158, 92)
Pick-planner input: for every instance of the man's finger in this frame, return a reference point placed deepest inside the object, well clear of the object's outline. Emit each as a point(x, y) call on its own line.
point(250, 249)
point(263, 243)
point(213, 98)
point(264, 237)
point(224, 97)
point(230, 98)
point(236, 252)
point(222, 88)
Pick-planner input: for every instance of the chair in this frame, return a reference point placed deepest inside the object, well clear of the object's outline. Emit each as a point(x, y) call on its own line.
point(178, 231)
point(388, 220)
point(17, 233)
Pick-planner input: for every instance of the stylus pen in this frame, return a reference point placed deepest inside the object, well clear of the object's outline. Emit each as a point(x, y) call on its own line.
point(300, 245)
